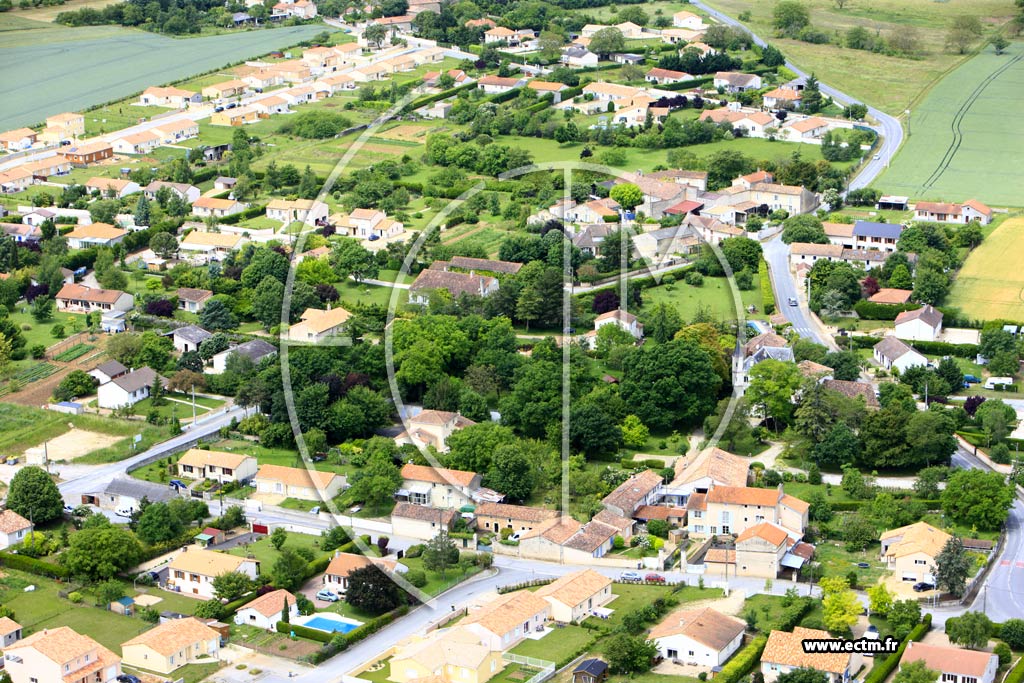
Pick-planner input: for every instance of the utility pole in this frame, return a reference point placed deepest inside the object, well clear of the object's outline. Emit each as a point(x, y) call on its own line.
point(193, 404)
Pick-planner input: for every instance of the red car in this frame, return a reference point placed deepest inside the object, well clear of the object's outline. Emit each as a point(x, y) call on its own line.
point(654, 578)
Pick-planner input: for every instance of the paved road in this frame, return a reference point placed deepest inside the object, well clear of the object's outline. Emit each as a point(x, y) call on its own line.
point(776, 255)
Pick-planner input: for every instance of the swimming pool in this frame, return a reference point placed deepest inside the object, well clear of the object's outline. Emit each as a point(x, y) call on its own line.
point(331, 623)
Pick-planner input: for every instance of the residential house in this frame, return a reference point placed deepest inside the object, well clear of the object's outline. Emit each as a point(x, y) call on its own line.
point(193, 300)
point(316, 326)
point(578, 57)
point(107, 371)
point(300, 9)
point(171, 645)
point(128, 389)
point(260, 80)
point(576, 596)
point(218, 466)
point(193, 570)
point(498, 84)
point(142, 142)
point(395, 25)
point(922, 324)
point(342, 565)
point(22, 233)
point(224, 183)
point(211, 246)
point(466, 263)
point(611, 92)
point(189, 193)
point(680, 36)
point(448, 655)
point(456, 284)
point(909, 552)
point(762, 550)
point(810, 369)
point(438, 487)
point(888, 295)
point(66, 126)
point(862, 390)
point(17, 179)
point(225, 89)
point(367, 224)
point(421, 521)
point(840, 234)
point(953, 664)
point(643, 488)
point(14, 529)
point(880, 236)
point(46, 167)
point(255, 350)
point(76, 298)
point(507, 619)
point(767, 346)
point(684, 19)
point(481, 23)
point(89, 153)
point(734, 81)
point(18, 139)
point(60, 654)
point(893, 353)
point(269, 106)
point(206, 207)
point(701, 472)
point(172, 132)
point(297, 482)
point(604, 210)
point(782, 98)
point(10, 633)
point(545, 87)
point(518, 518)
point(126, 493)
point(702, 636)
point(664, 245)
point(308, 211)
point(175, 98)
point(95, 235)
point(238, 116)
point(666, 76)
point(938, 212)
point(695, 179)
point(112, 187)
point(785, 652)
point(807, 129)
point(432, 428)
point(268, 609)
point(725, 510)
point(590, 671)
point(628, 58)
point(498, 34)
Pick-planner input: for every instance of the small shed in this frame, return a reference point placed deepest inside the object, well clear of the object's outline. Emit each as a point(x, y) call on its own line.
point(210, 537)
point(125, 606)
point(590, 671)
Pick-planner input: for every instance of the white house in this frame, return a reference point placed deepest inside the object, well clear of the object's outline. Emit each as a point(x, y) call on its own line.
point(923, 324)
point(684, 19)
point(105, 372)
point(308, 211)
point(95, 235)
point(189, 193)
point(127, 390)
point(316, 325)
point(953, 664)
point(13, 529)
point(210, 246)
point(704, 636)
point(892, 353)
point(938, 212)
point(171, 645)
point(576, 596)
point(255, 350)
point(193, 570)
point(60, 654)
point(219, 466)
point(266, 610)
point(189, 338)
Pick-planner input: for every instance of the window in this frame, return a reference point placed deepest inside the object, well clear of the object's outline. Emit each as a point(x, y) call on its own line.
point(690, 653)
point(725, 528)
point(714, 530)
point(949, 677)
point(920, 562)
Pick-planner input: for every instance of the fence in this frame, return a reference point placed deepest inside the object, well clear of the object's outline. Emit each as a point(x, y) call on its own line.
point(65, 344)
point(546, 669)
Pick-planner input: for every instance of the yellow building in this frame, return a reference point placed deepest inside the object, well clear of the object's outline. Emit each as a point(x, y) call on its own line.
point(454, 655)
point(171, 645)
point(910, 551)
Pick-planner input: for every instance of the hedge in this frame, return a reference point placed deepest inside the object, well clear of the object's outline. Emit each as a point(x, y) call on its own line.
point(340, 642)
point(881, 670)
point(34, 566)
point(251, 212)
point(767, 293)
point(630, 464)
point(437, 97)
point(742, 662)
point(304, 632)
point(935, 348)
point(869, 310)
point(501, 590)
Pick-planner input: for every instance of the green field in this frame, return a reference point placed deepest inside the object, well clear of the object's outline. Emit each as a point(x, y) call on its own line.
point(990, 285)
point(715, 295)
point(74, 68)
point(963, 142)
point(887, 82)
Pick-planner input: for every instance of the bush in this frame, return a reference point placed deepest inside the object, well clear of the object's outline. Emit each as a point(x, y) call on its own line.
point(868, 310)
point(694, 279)
point(304, 632)
point(742, 662)
point(33, 566)
point(415, 551)
point(37, 351)
point(75, 597)
point(658, 527)
point(881, 670)
point(416, 577)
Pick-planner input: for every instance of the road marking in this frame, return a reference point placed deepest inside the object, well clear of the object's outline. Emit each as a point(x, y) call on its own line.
point(1019, 564)
point(1004, 563)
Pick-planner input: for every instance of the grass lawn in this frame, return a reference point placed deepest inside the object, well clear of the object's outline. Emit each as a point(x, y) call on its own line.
point(942, 522)
point(836, 560)
point(435, 583)
point(715, 295)
point(990, 284)
point(558, 645)
point(889, 83)
point(630, 597)
point(769, 609)
point(263, 551)
point(190, 673)
point(358, 293)
point(956, 131)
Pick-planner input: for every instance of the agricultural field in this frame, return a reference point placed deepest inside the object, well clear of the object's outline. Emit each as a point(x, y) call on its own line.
point(957, 131)
point(75, 67)
point(990, 284)
point(889, 83)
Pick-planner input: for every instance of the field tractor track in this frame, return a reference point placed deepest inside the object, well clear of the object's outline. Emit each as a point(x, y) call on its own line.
point(958, 137)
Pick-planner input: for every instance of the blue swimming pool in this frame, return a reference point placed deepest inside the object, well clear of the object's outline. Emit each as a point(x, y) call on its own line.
point(330, 625)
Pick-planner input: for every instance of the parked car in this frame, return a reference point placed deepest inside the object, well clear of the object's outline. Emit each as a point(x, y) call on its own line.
point(634, 577)
point(515, 537)
point(923, 586)
point(68, 509)
point(355, 508)
point(230, 105)
point(877, 157)
point(315, 510)
point(654, 578)
point(128, 678)
point(217, 110)
point(971, 379)
point(374, 237)
point(327, 596)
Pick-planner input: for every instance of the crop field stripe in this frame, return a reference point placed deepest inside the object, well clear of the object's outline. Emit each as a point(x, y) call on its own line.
point(954, 146)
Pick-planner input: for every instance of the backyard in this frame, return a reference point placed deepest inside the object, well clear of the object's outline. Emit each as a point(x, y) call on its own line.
point(714, 296)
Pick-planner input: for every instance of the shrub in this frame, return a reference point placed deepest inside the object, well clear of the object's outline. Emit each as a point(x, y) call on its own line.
point(415, 550)
point(694, 279)
point(743, 661)
point(75, 597)
point(416, 577)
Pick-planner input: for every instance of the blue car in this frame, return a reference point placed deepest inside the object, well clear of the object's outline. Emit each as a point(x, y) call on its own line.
point(971, 379)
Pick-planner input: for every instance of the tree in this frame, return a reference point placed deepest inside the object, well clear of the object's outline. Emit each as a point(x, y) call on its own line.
point(34, 496)
point(376, 34)
point(606, 41)
point(858, 532)
point(512, 473)
point(217, 316)
point(289, 570)
point(157, 524)
point(963, 31)
point(142, 212)
point(231, 585)
point(903, 617)
point(839, 447)
point(630, 654)
point(803, 228)
point(790, 17)
point(164, 244)
point(278, 537)
point(628, 195)
point(927, 484)
point(772, 384)
point(916, 672)
point(375, 483)
point(662, 323)
point(670, 383)
point(840, 607)
point(971, 630)
point(440, 553)
point(101, 552)
point(266, 302)
point(1000, 43)
point(900, 278)
point(591, 430)
point(977, 498)
point(803, 675)
point(76, 384)
point(634, 432)
point(880, 599)
point(810, 99)
point(351, 259)
point(952, 567)
point(372, 590)
point(1012, 633)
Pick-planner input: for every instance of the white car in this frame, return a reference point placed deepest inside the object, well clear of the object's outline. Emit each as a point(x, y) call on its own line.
point(877, 157)
point(124, 512)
